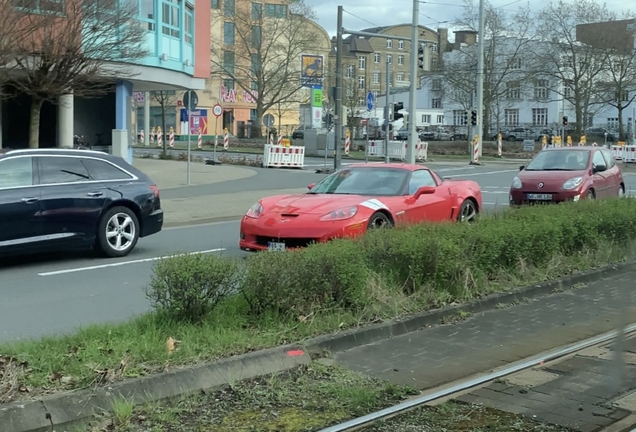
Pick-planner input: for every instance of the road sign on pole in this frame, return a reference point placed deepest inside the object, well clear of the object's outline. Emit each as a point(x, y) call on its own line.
point(190, 101)
point(268, 120)
point(370, 101)
point(217, 110)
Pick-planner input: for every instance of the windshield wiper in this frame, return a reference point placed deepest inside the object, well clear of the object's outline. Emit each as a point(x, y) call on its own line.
point(558, 169)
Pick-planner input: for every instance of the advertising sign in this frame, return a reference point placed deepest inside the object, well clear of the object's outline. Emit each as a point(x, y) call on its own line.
point(316, 107)
point(234, 95)
point(312, 69)
point(198, 119)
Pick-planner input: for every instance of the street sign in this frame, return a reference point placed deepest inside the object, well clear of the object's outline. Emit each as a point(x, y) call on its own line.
point(268, 120)
point(217, 110)
point(528, 145)
point(370, 101)
point(190, 100)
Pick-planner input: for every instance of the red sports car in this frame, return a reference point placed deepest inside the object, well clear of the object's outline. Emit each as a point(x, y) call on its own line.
point(350, 201)
point(568, 174)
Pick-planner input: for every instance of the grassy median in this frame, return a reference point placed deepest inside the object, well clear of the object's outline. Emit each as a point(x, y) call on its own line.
point(208, 307)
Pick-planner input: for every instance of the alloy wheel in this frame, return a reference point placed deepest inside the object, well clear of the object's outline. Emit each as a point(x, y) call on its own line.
point(120, 232)
point(469, 212)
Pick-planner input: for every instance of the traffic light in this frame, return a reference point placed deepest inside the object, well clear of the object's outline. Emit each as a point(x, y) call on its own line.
point(465, 119)
point(398, 106)
point(565, 120)
point(420, 57)
point(473, 118)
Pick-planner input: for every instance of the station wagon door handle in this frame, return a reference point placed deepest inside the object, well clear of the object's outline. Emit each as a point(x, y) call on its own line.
point(30, 200)
point(95, 194)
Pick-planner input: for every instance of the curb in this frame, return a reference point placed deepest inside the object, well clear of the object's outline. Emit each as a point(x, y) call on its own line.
point(79, 407)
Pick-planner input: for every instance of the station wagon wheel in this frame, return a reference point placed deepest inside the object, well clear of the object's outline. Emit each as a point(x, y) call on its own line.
point(468, 212)
point(118, 232)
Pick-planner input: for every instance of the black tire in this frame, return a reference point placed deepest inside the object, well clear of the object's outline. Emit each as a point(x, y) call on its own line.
point(127, 232)
point(621, 191)
point(468, 212)
point(379, 220)
point(590, 194)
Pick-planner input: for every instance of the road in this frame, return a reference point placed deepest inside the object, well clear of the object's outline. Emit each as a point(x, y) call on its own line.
point(44, 295)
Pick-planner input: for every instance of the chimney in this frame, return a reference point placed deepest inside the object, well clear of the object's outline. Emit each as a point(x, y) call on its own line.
point(468, 37)
point(442, 39)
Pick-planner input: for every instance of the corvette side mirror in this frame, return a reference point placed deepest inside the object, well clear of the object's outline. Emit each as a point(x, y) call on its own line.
point(424, 190)
point(311, 186)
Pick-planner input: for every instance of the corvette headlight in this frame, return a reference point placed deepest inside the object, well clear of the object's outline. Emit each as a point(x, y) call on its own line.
point(340, 214)
point(516, 183)
point(255, 211)
point(573, 183)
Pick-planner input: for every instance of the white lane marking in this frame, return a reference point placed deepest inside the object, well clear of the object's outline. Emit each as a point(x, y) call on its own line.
point(483, 173)
point(496, 203)
point(118, 264)
point(494, 192)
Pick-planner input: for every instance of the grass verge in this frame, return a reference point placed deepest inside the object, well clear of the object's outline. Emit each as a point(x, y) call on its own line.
point(307, 398)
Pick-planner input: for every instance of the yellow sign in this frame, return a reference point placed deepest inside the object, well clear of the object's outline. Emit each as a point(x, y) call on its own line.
point(311, 66)
point(153, 130)
point(583, 139)
point(171, 129)
point(498, 137)
point(544, 139)
point(226, 130)
point(569, 140)
point(620, 143)
point(347, 133)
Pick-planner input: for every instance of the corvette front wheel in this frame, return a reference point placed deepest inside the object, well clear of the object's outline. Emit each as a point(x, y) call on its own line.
point(379, 220)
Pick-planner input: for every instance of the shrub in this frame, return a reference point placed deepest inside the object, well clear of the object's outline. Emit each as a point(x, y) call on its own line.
point(305, 281)
point(188, 287)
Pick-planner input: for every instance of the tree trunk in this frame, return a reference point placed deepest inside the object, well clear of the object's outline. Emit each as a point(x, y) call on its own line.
point(258, 122)
point(34, 125)
point(578, 112)
point(621, 132)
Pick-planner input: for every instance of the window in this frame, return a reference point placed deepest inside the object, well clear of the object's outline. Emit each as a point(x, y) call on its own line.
point(54, 170)
point(419, 179)
point(459, 117)
point(401, 44)
point(253, 115)
point(257, 11)
point(350, 71)
point(624, 96)
point(275, 10)
point(389, 43)
point(541, 89)
point(16, 172)
point(377, 57)
point(256, 64)
point(253, 85)
point(377, 76)
point(147, 12)
point(189, 24)
point(437, 84)
point(434, 48)
point(229, 7)
point(375, 95)
point(361, 83)
point(55, 7)
point(215, 4)
point(228, 62)
point(389, 58)
point(400, 77)
point(362, 62)
point(539, 116)
point(361, 101)
point(598, 159)
point(228, 33)
point(257, 39)
point(511, 117)
point(513, 90)
point(515, 64)
point(440, 119)
point(611, 162)
point(170, 19)
point(436, 103)
point(612, 123)
point(228, 83)
point(426, 118)
point(401, 59)
point(100, 170)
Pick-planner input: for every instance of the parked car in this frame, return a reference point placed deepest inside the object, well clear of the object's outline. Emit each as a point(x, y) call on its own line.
point(353, 200)
point(517, 134)
point(568, 174)
point(56, 198)
point(547, 133)
point(298, 134)
point(597, 132)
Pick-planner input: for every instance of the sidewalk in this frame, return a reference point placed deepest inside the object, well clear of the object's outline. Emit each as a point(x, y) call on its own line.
point(446, 353)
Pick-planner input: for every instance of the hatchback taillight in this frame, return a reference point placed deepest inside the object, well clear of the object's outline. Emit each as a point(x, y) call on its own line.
point(155, 190)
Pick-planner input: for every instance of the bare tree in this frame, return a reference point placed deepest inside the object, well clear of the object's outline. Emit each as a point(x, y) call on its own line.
point(165, 99)
point(261, 49)
point(573, 68)
point(351, 95)
point(504, 57)
point(78, 46)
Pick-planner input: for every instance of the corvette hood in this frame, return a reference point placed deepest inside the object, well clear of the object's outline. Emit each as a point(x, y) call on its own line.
point(316, 204)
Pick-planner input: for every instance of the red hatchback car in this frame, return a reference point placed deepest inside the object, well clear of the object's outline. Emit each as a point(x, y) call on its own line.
point(568, 174)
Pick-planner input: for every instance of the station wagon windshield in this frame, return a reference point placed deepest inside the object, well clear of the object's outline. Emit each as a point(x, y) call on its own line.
point(363, 181)
point(563, 160)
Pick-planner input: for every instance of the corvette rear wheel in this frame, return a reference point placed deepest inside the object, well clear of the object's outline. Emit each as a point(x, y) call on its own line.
point(467, 212)
point(379, 220)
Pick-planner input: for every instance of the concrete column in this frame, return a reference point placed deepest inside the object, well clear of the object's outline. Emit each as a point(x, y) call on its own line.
point(65, 119)
point(120, 136)
point(147, 118)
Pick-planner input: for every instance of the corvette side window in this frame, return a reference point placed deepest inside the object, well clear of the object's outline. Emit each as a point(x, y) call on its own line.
point(420, 178)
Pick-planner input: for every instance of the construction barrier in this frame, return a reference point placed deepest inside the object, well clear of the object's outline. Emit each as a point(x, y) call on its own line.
point(159, 137)
point(499, 147)
point(281, 156)
point(628, 153)
point(200, 139)
point(141, 136)
point(397, 150)
point(375, 148)
point(171, 137)
point(617, 152)
point(279, 141)
point(422, 151)
point(347, 142)
point(476, 149)
point(152, 135)
point(226, 139)
point(271, 139)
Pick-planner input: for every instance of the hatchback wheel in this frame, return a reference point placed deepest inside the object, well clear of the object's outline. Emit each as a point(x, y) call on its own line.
point(590, 194)
point(621, 191)
point(118, 232)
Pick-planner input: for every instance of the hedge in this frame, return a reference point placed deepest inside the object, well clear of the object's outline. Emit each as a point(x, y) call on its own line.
point(455, 261)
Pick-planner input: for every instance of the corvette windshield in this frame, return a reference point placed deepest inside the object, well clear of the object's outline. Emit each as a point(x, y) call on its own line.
point(363, 181)
point(563, 160)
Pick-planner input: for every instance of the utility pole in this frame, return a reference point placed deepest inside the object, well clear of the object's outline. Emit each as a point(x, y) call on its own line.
point(410, 150)
point(387, 112)
point(339, 75)
point(480, 77)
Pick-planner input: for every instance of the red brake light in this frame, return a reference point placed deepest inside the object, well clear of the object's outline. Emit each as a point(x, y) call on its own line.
point(155, 190)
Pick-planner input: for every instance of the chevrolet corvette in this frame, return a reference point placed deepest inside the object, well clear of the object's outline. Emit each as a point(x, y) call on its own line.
point(355, 199)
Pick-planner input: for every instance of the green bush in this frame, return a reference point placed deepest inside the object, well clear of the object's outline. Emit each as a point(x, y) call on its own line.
point(189, 287)
point(305, 281)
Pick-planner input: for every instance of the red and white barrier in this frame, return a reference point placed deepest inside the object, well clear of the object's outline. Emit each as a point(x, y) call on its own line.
point(628, 153)
point(422, 151)
point(281, 156)
point(375, 148)
point(271, 139)
point(279, 140)
point(226, 141)
point(200, 139)
point(141, 136)
point(347, 144)
point(499, 148)
point(159, 137)
point(617, 152)
point(594, 144)
point(171, 138)
point(476, 150)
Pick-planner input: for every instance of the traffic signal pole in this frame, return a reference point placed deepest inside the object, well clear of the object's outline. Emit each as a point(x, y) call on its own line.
point(339, 73)
point(387, 112)
point(413, 138)
point(480, 80)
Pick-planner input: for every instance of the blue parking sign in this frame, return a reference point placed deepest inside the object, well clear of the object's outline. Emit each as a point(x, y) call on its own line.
point(370, 100)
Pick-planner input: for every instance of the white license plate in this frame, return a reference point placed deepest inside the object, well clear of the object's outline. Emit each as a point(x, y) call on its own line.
point(276, 246)
point(540, 197)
